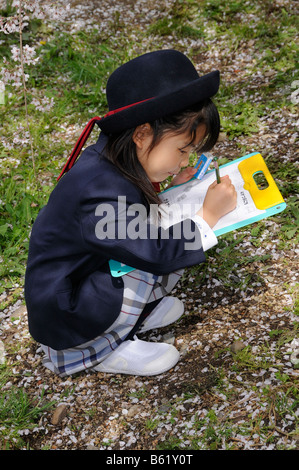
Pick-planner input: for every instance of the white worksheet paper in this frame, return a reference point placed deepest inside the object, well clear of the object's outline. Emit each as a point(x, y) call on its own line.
point(183, 201)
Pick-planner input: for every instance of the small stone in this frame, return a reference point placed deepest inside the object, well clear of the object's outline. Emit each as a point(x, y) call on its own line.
point(20, 311)
point(164, 408)
point(222, 137)
point(134, 410)
point(237, 346)
point(295, 358)
point(184, 349)
point(59, 414)
point(269, 73)
point(2, 352)
point(169, 338)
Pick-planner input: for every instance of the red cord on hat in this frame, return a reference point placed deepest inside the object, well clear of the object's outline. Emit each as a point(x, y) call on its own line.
point(78, 147)
point(85, 134)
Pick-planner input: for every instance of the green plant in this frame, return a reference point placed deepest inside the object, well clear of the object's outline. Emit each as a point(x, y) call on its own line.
point(18, 413)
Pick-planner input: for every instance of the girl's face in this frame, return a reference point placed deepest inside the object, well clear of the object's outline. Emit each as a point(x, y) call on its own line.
point(168, 156)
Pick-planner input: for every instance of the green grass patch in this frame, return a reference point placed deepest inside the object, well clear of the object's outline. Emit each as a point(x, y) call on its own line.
point(19, 413)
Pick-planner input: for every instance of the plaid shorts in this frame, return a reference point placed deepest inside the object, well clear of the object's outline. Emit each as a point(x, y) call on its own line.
point(140, 288)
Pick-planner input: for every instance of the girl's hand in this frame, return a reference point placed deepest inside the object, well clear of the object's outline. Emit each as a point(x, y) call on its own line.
point(220, 199)
point(184, 176)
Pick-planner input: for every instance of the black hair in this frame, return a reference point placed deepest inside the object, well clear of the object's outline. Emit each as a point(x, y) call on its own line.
point(121, 149)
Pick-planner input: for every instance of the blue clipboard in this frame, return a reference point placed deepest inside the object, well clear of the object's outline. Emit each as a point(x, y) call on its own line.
point(270, 200)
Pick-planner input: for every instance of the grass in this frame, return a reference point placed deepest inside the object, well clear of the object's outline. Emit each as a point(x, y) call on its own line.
point(216, 428)
point(73, 69)
point(18, 413)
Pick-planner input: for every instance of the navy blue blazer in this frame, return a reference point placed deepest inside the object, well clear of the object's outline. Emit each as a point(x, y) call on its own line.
point(70, 294)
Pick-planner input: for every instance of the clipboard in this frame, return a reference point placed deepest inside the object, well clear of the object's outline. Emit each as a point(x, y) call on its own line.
point(256, 202)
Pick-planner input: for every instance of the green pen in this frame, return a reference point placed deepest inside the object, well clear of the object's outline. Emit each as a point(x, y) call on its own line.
point(217, 171)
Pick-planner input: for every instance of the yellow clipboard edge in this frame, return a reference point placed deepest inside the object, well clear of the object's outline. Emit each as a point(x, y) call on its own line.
point(263, 198)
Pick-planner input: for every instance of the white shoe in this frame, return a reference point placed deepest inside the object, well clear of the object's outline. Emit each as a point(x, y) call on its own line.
point(169, 310)
point(140, 358)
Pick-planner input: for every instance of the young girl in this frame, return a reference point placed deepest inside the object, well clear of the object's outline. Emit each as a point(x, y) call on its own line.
point(83, 317)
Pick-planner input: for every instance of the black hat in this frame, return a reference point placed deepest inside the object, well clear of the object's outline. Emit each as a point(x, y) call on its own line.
point(146, 88)
point(154, 85)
